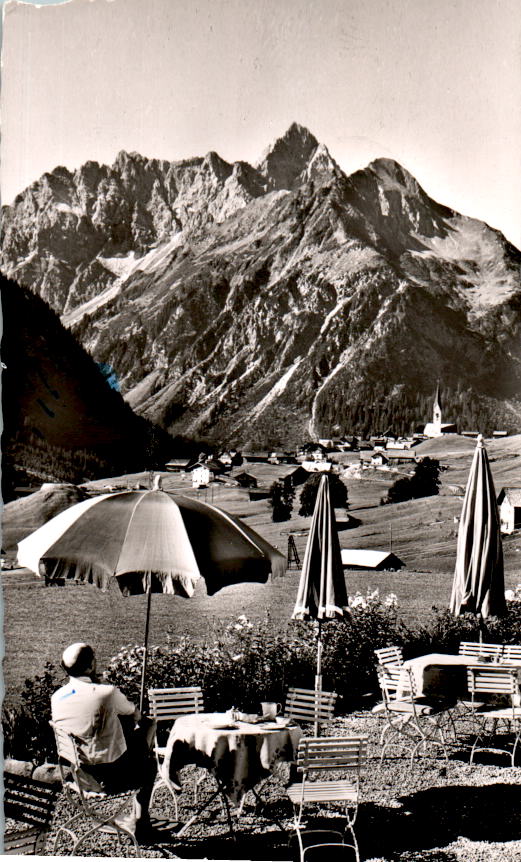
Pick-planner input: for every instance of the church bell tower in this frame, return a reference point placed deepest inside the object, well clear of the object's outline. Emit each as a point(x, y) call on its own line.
point(436, 410)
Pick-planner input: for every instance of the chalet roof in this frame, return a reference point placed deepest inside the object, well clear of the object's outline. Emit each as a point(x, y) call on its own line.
point(178, 462)
point(513, 495)
point(404, 454)
point(317, 466)
point(213, 466)
point(366, 559)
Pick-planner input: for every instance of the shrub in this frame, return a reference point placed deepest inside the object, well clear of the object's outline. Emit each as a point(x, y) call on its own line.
point(424, 482)
point(251, 662)
point(26, 730)
point(281, 501)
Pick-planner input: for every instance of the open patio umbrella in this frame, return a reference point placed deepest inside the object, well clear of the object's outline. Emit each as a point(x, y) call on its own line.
point(478, 587)
point(322, 590)
point(150, 542)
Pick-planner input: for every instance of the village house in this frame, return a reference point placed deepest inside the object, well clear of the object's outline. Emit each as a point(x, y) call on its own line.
point(509, 503)
point(204, 472)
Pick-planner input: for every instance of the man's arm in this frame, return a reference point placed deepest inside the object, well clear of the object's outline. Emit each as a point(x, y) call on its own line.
point(123, 706)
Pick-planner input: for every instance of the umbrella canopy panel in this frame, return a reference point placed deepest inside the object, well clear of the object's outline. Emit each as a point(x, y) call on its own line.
point(322, 590)
point(478, 586)
point(150, 539)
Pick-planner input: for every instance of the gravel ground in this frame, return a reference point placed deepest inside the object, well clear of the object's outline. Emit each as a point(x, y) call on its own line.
point(441, 812)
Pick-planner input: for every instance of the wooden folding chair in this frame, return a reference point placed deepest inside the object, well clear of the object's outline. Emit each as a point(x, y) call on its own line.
point(485, 653)
point(342, 755)
point(307, 705)
point(512, 652)
point(32, 803)
point(389, 656)
point(496, 682)
point(88, 799)
point(166, 705)
point(474, 649)
point(412, 723)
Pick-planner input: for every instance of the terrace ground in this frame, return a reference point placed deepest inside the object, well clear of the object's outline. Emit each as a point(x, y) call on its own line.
point(442, 811)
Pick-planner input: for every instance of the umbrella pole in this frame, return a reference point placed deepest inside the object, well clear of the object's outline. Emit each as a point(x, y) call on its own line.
point(145, 650)
point(318, 678)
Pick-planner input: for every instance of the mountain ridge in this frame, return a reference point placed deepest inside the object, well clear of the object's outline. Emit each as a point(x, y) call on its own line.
point(281, 296)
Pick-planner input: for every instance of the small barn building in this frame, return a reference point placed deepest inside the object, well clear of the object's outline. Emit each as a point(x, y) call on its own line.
point(509, 503)
point(177, 465)
point(400, 456)
point(378, 561)
point(245, 480)
point(256, 457)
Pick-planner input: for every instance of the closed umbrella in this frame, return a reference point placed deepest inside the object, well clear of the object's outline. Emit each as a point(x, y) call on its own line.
point(149, 542)
point(322, 590)
point(478, 586)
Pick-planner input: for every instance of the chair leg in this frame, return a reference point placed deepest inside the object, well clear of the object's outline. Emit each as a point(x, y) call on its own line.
point(351, 827)
point(173, 793)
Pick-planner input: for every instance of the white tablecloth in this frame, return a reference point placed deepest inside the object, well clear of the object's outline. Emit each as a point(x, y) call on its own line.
point(442, 674)
point(238, 757)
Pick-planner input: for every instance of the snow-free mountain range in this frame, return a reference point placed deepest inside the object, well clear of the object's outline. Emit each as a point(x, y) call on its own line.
point(266, 304)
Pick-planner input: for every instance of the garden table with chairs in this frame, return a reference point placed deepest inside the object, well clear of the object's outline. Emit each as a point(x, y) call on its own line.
point(238, 753)
point(446, 675)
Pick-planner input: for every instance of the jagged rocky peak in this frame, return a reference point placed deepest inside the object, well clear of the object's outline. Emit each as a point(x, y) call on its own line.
point(321, 166)
point(284, 162)
point(214, 164)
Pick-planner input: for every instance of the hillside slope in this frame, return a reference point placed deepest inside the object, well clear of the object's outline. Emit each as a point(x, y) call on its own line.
point(61, 419)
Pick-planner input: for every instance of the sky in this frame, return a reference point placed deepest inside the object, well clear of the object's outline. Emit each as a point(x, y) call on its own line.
point(434, 85)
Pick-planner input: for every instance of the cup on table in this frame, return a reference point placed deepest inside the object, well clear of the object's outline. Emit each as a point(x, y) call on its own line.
point(270, 710)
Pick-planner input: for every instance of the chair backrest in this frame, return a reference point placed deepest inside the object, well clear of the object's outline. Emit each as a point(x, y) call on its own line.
point(304, 704)
point(331, 753)
point(512, 652)
point(167, 704)
point(492, 679)
point(68, 748)
point(29, 801)
point(393, 680)
point(389, 655)
point(66, 745)
point(479, 650)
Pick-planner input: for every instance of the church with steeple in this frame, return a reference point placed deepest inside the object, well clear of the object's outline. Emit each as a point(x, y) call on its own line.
point(437, 428)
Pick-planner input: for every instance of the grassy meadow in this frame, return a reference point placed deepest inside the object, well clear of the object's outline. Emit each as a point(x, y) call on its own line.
point(39, 622)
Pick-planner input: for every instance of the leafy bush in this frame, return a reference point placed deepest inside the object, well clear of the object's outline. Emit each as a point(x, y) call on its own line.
point(251, 662)
point(424, 482)
point(26, 730)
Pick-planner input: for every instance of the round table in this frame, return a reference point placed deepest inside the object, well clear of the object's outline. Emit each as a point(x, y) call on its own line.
point(238, 754)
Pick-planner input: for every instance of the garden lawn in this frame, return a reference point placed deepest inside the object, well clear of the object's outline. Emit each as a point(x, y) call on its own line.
point(442, 812)
point(40, 622)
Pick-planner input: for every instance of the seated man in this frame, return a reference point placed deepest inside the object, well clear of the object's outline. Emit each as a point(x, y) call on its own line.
point(118, 761)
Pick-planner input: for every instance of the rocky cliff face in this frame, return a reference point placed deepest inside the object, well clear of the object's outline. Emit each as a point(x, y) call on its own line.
point(266, 303)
